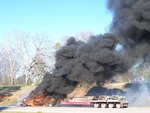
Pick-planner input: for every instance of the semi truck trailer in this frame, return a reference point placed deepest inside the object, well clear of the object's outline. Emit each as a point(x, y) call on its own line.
point(97, 101)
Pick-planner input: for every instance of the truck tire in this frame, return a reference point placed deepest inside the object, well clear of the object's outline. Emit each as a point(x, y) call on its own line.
point(103, 105)
point(96, 105)
point(110, 105)
point(118, 105)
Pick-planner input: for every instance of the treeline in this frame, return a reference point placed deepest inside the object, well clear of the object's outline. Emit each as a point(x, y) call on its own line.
point(25, 57)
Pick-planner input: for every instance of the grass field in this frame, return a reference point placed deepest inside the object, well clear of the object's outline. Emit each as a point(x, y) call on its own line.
point(9, 88)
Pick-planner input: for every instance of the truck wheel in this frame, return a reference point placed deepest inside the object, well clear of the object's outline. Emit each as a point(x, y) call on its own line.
point(96, 105)
point(118, 106)
point(103, 105)
point(110, 105)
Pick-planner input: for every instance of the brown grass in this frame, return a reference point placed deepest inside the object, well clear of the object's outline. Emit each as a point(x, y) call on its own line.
point(120, 86)
point(81, 90)
point(17, 95)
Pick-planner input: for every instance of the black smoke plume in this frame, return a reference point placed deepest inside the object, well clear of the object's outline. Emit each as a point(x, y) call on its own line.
point(80, 62)
point(97, 60)
point(131, 23)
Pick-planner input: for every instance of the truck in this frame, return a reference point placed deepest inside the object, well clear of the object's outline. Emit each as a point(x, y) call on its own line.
point(97, 101)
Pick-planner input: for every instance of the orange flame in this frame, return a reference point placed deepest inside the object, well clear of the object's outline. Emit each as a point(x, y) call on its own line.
point(40, 100)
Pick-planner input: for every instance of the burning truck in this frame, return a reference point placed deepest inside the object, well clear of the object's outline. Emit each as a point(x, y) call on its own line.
point(79, 63)
point(98, 60)
point(95, 101)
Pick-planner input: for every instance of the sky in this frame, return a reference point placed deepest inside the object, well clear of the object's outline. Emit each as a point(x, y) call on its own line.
point(58, 18)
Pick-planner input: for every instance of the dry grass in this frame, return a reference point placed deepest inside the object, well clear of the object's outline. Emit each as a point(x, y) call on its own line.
point(17, 95)
point(81, 90)
point(120, 86)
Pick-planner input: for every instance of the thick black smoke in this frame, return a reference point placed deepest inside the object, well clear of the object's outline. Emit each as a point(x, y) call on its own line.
point(97, 60)
point(131, 23)
point(77, 62)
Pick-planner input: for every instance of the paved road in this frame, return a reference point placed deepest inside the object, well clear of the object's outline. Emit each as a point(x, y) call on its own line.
point(75, 110)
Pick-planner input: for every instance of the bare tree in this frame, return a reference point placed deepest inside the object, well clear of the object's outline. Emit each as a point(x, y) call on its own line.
point(35, 52)
point(28, 56)
point(84, 36)
point(9, 65)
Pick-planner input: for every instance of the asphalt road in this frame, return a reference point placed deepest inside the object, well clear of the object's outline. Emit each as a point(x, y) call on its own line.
point(76, 110)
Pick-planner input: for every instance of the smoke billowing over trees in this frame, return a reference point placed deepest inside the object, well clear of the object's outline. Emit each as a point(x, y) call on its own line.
point(97, 59)
point(77, 62)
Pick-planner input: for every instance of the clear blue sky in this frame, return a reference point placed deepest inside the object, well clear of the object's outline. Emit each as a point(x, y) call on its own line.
point(56, 17)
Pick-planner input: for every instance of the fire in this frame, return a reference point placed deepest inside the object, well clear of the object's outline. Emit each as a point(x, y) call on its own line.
point(40, 100)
